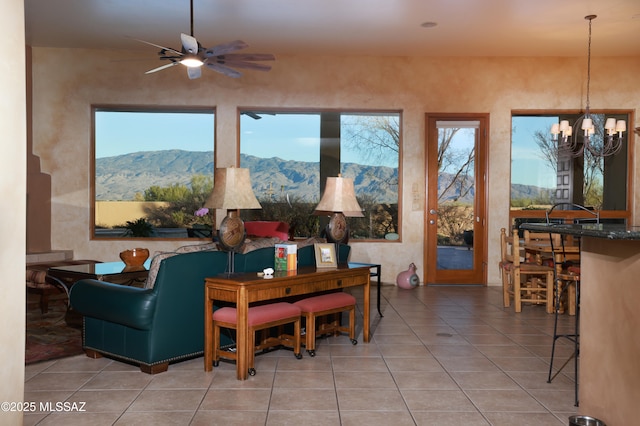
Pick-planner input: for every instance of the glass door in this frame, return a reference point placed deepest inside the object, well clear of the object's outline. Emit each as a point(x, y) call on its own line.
point(455, 216)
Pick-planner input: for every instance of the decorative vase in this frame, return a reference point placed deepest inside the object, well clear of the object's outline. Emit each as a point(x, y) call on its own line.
point(408, 279)
point(134, 258)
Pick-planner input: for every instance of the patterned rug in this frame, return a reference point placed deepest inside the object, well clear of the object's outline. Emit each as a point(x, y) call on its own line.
point(48, 336)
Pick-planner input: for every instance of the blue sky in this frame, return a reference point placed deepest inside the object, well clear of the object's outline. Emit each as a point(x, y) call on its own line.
point(527, 166)
point(286, 136)
point(289, 137)
point(122, 133)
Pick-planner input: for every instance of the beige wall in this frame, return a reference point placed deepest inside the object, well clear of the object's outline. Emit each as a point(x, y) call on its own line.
point(66, 82)
point(13, 189)
point(117, 213)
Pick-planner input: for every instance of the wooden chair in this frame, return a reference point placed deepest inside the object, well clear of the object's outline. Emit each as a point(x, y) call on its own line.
point(525, 282)
point(260, 318)
point(327, 304)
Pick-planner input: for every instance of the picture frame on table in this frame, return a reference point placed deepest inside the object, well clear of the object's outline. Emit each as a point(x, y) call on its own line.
point(325, 255)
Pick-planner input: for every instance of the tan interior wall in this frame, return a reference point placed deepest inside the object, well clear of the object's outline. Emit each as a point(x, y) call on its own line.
point(13, 189)
point(116, 213)
point(66, 82)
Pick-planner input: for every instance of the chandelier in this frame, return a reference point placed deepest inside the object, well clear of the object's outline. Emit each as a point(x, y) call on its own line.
point(609, 144)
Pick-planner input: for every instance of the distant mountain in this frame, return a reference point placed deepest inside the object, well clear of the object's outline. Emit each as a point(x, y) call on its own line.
point(121, 177)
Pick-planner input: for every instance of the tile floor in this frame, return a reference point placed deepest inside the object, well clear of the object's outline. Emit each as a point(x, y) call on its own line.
point(442, 355)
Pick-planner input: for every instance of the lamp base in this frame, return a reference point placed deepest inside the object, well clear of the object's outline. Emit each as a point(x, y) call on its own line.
point(337, 230)
point(231, 233)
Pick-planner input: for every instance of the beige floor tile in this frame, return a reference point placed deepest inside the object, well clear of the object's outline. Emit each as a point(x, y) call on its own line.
point(368, 418)
point(525, 419)
point(79, 363)
point(307, 418)
point(104, 400)
point(182, 379)
point(484, 380)
point(236, 399)
point(169, 418)
point(118, 380)
point(289, 399)
point(304, 379)
point(226, 418)
point(438, 400)
point(370, 380)
point(431, 418)
point(358, 364)
point(426, 363)
point(505, 400)
point(58, 381)
point(381, 400)
point(424, 380)
point(168, 400)
point(521, 364)
point(468, 364)
point(79, 419)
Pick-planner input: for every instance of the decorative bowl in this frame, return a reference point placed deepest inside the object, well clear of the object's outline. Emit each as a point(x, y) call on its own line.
point(134, 257)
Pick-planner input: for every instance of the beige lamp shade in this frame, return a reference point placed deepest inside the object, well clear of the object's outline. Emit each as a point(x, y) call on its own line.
point(339, 196)
point(232, 190)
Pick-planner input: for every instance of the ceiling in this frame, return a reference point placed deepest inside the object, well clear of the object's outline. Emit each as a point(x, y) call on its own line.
point(345, 27)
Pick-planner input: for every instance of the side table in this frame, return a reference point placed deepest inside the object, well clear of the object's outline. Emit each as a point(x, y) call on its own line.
point(375, 270)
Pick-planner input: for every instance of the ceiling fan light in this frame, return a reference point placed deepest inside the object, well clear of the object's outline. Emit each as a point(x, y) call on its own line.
point(191, 61)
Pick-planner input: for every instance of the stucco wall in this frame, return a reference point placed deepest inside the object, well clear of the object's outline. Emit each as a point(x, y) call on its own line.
point(13, 189)
point(66, 82)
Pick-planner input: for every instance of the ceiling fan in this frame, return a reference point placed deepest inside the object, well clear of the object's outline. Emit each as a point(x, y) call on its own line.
point(219, 58)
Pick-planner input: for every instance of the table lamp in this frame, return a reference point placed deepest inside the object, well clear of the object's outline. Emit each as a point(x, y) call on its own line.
point(232, 192)
point(338, 201)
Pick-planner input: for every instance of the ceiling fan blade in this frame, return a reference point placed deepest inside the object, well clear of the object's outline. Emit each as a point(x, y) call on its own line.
point(194, 72)
point(157, 45)
point(189, 43)
point(225, 48)
point(245, 65)
point(162, 67)
point(229, 72)
point(249, 57)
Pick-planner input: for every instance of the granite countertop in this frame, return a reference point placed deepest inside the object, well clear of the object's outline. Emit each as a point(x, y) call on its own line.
point(602, 230)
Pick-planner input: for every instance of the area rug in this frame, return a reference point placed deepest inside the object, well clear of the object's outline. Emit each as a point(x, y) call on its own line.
point(48, 336)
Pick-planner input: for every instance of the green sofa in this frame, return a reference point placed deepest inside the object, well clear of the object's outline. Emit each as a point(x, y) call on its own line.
point(163, 322)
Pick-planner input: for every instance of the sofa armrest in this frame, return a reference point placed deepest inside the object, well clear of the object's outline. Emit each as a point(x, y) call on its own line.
point(130, 306)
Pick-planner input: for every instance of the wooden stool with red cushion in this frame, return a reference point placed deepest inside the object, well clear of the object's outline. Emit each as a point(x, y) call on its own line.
point(326, 304)
point(260, 318)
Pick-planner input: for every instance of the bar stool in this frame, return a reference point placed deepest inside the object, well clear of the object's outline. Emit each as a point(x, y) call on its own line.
point(565, 280)
point(326, 304)
point(259, 318)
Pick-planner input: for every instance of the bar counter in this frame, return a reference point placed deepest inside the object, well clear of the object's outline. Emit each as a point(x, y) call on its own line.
point(609, 373)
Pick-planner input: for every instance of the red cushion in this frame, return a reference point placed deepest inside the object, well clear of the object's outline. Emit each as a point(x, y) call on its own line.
point(265, 228)
point(259, 314)
point(325, 302)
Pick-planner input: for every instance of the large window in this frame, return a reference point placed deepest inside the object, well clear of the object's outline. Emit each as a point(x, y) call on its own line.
point(290, 155)
point(153, 169)
point(542, 175)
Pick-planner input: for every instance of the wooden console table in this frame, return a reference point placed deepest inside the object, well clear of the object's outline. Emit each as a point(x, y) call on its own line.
point(245, 288)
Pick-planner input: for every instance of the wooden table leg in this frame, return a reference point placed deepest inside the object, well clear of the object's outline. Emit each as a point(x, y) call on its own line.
point(208, 332)
point(365, 310)
point(242, 336)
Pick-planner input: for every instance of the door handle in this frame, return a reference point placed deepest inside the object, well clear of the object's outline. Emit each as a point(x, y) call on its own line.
point(433, 211)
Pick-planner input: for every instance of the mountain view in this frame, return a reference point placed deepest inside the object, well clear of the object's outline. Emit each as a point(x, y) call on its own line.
point(121, 177)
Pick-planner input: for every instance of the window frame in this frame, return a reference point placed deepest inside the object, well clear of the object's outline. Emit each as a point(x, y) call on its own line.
point(516, 216)
point(330, 171)
point(169, 109)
